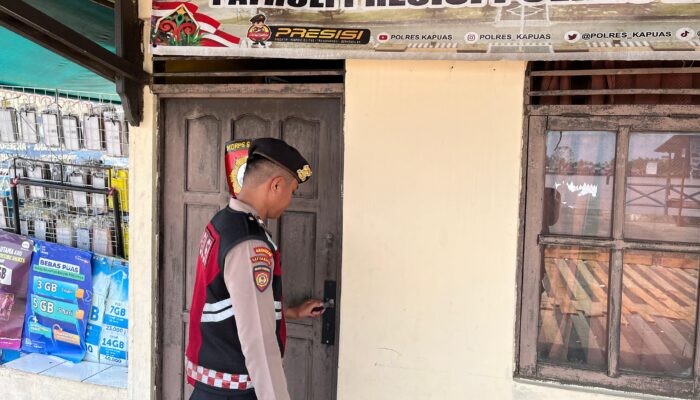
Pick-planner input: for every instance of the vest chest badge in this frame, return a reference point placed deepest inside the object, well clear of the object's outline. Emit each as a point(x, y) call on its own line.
point(262, 275)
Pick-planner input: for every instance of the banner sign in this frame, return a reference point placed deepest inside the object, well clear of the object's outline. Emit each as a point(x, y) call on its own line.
point(470, 29)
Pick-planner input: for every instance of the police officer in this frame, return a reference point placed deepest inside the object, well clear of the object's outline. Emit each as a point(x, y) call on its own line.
point(237, 323)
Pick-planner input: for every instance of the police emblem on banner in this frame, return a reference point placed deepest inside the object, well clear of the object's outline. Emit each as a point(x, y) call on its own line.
point(236, 158)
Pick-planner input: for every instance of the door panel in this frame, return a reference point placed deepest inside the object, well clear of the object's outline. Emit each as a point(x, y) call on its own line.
point(195, 187)
point(299, 355)
point(298, 230)
point(303, 136)
point(201, 141)
point(251, 126)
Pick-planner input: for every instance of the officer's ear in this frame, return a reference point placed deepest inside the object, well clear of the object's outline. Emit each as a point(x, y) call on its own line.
point(277, 184)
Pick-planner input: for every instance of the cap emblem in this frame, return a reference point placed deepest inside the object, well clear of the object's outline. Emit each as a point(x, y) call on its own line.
point(304, 173)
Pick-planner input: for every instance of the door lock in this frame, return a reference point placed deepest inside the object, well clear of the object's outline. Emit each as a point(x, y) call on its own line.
point(328, 317)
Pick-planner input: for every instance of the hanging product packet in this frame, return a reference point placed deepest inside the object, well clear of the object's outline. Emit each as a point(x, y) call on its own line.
point(58, 301)
point(15, 257)
point(102, 237)
point(115, 324)
point(120, 182)
point(101, 271)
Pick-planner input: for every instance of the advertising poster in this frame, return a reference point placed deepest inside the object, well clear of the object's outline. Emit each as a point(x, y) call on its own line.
point(114, 340)
point(15, 256)
point(58, 301)
point(429, 29)
point(101, 276)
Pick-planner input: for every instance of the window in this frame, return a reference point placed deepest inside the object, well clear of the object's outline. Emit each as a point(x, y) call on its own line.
point(611, 252)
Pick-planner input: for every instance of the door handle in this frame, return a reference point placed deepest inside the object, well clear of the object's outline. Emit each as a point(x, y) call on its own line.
point(328, 317)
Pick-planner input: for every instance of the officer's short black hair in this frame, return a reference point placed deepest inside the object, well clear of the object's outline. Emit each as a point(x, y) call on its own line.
point(259, 169)
point(257, 18)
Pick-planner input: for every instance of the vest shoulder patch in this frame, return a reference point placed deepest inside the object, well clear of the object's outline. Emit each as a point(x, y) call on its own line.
point(262, 255)
point(205, 245)
point(262, 276)
point(264, 251)
point(261, 259)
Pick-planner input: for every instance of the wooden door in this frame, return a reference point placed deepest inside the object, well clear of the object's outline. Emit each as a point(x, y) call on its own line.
point(308, 234)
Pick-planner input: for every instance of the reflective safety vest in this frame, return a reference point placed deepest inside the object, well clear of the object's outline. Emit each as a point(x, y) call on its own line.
point(214, 354)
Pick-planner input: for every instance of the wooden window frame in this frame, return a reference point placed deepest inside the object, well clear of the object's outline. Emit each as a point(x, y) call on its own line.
point(623, 120)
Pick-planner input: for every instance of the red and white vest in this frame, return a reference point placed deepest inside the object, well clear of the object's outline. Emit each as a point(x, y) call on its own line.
point(214, 355)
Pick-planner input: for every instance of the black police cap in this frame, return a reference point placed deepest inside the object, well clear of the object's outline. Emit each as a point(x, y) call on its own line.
point(282, 154)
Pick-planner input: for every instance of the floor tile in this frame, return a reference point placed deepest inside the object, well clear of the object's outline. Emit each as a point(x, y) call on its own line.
point(75, 372)
point(112, 376)
point(35, 363)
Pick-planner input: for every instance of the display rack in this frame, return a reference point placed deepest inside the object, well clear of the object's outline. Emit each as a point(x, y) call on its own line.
point(75, 205)
point(64, 168)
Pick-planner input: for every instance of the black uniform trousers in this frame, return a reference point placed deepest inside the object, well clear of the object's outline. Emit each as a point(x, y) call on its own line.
point(201, 392)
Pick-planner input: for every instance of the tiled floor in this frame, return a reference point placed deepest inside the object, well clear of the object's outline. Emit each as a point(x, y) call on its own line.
point(85, 371)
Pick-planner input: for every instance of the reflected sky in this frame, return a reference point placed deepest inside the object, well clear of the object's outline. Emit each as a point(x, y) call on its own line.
point(580, 144)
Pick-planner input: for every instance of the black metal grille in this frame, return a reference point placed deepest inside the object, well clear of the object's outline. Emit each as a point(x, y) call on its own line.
point(613, 82)
point(205, 70)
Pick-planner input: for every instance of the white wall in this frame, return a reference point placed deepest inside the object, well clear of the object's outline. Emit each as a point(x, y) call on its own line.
point(430, 210)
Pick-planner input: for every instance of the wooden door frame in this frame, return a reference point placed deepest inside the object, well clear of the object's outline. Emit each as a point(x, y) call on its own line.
point(164, 92)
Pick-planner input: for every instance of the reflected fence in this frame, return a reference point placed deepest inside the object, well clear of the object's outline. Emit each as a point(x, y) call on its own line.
point(673, 198)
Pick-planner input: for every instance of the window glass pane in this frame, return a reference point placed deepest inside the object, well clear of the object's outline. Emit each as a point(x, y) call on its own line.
point(579, 183)
point(662, 197)
point(574, 306)
point(659, 292)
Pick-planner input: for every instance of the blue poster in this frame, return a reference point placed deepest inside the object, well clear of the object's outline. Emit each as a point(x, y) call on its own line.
point(58, 301)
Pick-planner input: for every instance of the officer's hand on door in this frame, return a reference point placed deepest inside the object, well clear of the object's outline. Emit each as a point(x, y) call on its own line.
point(311, 308)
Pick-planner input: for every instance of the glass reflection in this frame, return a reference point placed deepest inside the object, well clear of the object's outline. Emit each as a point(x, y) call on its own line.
point(579, 183)
point(574, 306)
point(662, 196)
point(657, 331)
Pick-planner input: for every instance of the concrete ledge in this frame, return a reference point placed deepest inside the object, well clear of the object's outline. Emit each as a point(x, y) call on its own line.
point(18, 385)
point(527, 389)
